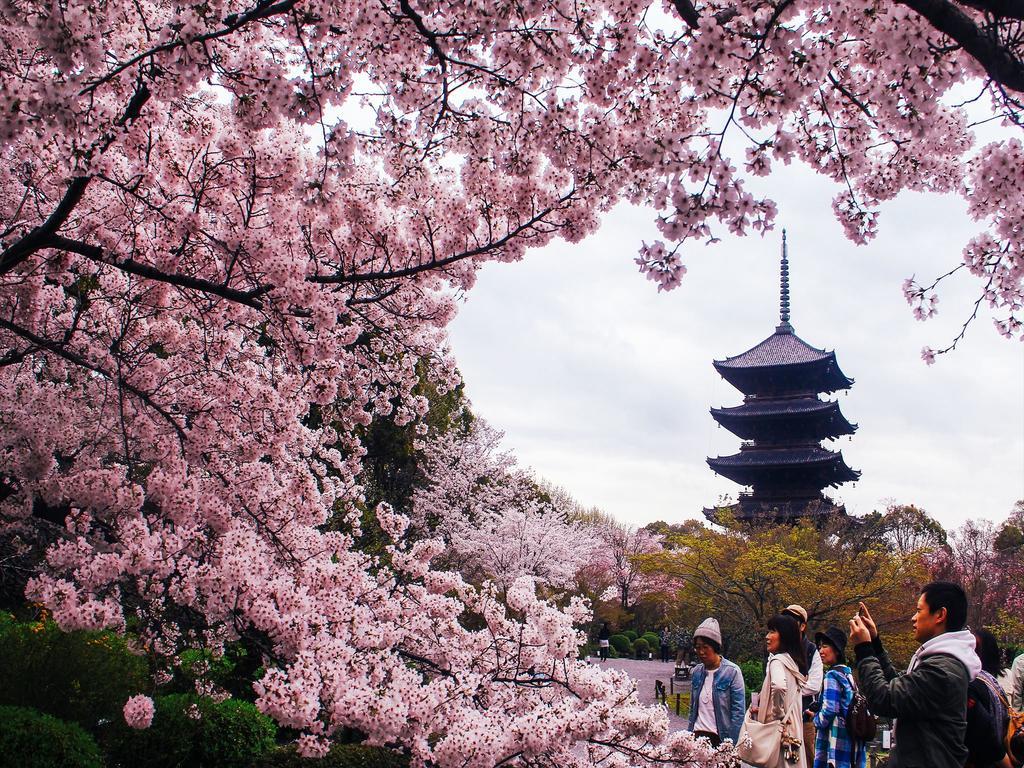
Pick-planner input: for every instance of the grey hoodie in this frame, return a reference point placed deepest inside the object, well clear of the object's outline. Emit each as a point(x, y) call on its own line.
point(929, 699)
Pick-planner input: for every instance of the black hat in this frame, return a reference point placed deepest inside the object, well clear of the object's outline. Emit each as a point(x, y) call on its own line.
point(834, 637)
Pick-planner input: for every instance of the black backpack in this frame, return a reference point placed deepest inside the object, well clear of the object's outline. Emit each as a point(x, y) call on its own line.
point(860, 723)
point(987, 723)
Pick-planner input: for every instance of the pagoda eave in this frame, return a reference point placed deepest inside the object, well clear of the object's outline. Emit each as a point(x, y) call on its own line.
point(808, 417)
point(762, 467)
point(815, 376)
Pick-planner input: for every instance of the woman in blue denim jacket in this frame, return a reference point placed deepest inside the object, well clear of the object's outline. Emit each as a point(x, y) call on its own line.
point(717, 697)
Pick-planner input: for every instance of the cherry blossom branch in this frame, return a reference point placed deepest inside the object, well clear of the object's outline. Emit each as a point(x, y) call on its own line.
point(59, 350)
point(998, 61)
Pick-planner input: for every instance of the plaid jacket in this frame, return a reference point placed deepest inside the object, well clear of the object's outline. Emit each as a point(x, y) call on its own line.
point(833, 747)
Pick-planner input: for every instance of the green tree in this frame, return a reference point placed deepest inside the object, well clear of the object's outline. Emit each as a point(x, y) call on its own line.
point(744, 576)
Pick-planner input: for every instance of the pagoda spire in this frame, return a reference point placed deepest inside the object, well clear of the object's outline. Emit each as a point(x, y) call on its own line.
point(784, 326)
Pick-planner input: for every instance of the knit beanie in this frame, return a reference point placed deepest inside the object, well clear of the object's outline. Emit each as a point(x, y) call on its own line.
point(709, 628)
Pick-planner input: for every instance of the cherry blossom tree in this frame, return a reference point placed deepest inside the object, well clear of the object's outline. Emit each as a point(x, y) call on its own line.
point(231, 231)
point(617, 558)
point(497, 520)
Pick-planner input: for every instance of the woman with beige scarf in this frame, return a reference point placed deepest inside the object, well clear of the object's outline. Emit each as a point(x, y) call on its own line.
point(780, 697)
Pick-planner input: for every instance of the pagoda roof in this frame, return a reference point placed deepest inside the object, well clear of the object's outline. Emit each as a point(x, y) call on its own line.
point(787, 359)
point(751, 463)
point(778, 410)
point(781, 348)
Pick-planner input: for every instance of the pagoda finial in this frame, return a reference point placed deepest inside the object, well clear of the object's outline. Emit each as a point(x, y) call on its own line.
point(784, 326)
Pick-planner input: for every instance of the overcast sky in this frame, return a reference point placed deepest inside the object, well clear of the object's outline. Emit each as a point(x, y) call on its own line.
point(602, 385)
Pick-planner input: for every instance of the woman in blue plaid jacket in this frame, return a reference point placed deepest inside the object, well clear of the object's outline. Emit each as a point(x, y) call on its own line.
point(833, 746)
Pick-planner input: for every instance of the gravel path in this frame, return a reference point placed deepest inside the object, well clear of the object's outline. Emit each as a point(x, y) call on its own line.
point(646, 673)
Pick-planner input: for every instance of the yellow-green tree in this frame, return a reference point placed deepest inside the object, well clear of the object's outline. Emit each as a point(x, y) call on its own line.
point(742, 576)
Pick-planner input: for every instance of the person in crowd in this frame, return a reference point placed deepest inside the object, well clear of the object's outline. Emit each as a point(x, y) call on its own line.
point(666, 649)
point(602, 640)
point(987, 715)
point(833, 746)
point(815, 675)
point(717, 692)
point(929, 700)
point(1017, 682)
point(785, 676)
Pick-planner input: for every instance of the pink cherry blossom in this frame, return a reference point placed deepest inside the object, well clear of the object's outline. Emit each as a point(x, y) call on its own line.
point(232, 236)
point(138, 712)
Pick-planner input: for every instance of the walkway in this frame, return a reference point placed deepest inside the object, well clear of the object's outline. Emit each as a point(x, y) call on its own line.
point(645, 673)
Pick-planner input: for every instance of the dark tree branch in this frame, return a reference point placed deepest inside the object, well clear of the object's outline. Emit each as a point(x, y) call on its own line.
point(37, 238)
point(1007, 9)
point(981, 44)
point(94, 252)
point(687, 12)
point(59, 350)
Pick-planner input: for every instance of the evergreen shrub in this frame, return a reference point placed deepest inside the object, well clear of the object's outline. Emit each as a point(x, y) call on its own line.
point(622, 644)
point(641, 648)
point(31, 739)
point(83, 677)
point(191, 731)
point(630, 633)
point(753, 674)
point(652, 639)
point(340, 756)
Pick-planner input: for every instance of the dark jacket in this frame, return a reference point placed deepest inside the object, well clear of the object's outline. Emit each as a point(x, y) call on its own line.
point(930, 704)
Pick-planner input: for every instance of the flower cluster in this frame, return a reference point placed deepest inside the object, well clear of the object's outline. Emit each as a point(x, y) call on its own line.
point(138, 712)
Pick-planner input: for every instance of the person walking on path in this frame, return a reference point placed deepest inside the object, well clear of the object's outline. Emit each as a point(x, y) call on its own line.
point(929, 700)
point(988, 718)
point(834, 747)
point(666, 649)
point(785, 675)
point(717, 693)
point(602, 640)
point(815, 676)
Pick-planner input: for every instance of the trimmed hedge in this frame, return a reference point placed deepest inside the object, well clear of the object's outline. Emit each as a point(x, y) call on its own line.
point(83, 677)
point(641, 648)
point(631, 634)
point(753, 674)
point(652, 639)
point(622, 644)
point(30, 739)
point(191, 731)
point(340, 756)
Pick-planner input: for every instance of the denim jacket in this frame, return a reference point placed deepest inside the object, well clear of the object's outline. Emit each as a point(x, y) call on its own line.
point(729, 698)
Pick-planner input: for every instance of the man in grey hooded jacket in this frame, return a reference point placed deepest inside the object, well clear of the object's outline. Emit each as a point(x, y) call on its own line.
point(929, 700)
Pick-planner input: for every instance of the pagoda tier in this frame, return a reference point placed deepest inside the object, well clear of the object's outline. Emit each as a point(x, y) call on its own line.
point(784, 421)
point(776, 420)
point(783, 364)
point(784, 471)
point(747, 510)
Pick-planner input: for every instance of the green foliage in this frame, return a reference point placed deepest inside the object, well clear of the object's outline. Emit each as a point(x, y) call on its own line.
point(753, 674)
point(652, 639)
point(743, 575)
point(641, 648)
point(191, 731)
point(233, 670)
point(83, 677)
point(621, 644)
point(340, 756)
point(30, 739)
point(631, 634)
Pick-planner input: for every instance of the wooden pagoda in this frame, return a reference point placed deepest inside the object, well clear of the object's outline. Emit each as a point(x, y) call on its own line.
point(782, 422)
